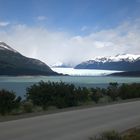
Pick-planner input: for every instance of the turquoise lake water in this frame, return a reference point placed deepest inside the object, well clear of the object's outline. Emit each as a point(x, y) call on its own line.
point(20, 83)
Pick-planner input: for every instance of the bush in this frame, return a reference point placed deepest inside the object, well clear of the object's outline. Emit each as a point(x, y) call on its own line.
point(52, 94)
point(105, 99)
point(96, 94)
point(37, 109)
point(28, 106)
point(109, 135)
point(8, 101)
point(134, 134)
point(63, 95)
point(113, 90)
point(129, 91)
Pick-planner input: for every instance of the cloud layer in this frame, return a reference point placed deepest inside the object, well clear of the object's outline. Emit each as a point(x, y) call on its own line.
point(41, 18)
point(54, 46)
point(4, 23)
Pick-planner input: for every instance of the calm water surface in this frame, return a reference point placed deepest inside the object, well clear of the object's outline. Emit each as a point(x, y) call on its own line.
point(20, 83)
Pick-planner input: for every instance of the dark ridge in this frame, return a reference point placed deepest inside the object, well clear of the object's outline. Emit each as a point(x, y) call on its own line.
point(14, 63)
point(127, 73)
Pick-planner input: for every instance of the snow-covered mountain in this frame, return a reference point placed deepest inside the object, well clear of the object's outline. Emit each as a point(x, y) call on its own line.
point(116, 58)
point(123, 62)
point(14, 63)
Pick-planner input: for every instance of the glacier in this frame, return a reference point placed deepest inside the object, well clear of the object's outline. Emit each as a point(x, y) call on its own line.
point(83, 72)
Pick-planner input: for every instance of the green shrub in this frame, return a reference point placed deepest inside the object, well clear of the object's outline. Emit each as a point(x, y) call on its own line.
point(105, 99)
point(28, 106)
point(113, 90)
point(109, 135)
point(63, 95)
point(134, 134)
point(96, 94)
point(129, 91)
point(37, 109)
point(48, 94)
point(8, 102)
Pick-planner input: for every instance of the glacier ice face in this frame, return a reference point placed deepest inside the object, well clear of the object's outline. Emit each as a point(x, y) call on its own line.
point(83, 72)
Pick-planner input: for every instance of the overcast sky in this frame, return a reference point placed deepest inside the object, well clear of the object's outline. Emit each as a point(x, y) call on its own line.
point(70, 31)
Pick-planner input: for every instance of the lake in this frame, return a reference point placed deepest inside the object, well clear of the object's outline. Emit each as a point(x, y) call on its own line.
point(20, 83)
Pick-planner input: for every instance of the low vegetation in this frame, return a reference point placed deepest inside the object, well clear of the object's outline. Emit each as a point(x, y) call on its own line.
point(46, 95)
point(134, 134)
point(8, 102)
point(108, 135)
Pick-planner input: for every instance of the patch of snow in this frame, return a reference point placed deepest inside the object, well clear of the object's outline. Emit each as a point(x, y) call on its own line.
point(4, 46)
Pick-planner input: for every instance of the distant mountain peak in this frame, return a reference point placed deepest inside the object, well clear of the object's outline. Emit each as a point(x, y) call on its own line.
point(4, 46)
point(122, 62)
point(116, 58)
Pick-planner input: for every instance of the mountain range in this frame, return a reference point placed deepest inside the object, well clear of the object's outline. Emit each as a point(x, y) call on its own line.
point(14, 63)
point(121, 62)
